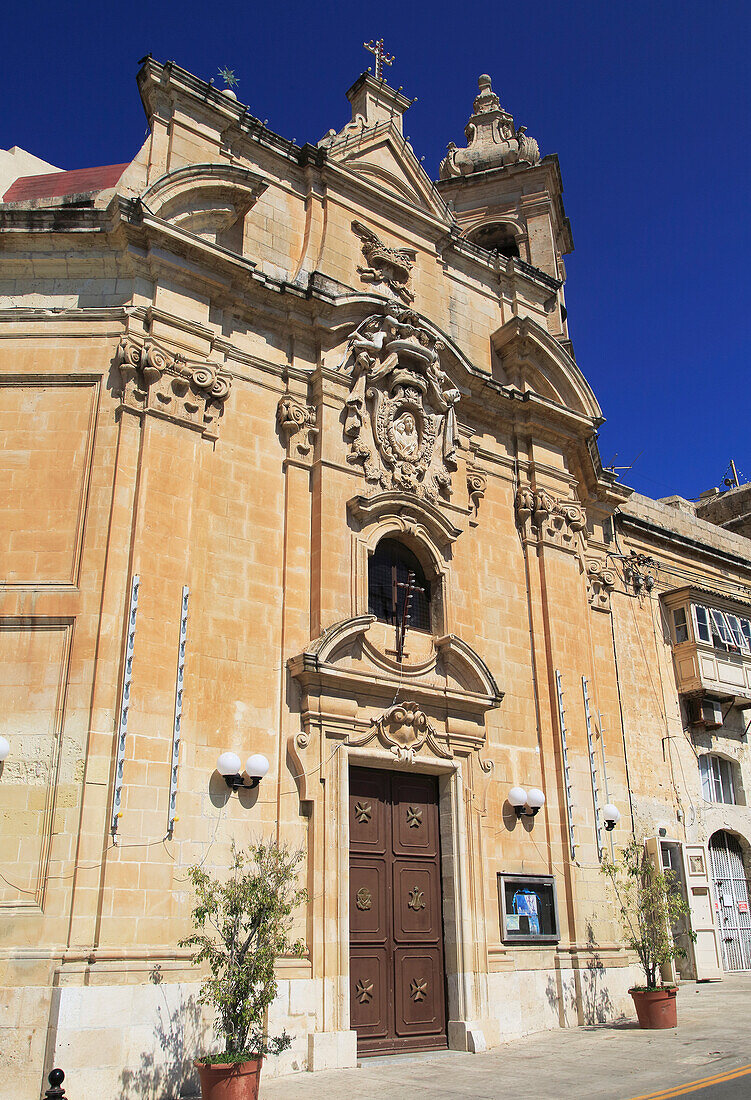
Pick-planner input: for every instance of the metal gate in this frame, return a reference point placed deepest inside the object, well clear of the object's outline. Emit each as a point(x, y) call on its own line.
point(733, 906)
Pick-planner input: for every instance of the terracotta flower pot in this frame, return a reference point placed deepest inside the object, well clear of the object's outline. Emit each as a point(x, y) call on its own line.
point(230, 1080)
point(655, 1007)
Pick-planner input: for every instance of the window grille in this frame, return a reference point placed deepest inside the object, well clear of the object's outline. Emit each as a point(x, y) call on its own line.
point(389, 566)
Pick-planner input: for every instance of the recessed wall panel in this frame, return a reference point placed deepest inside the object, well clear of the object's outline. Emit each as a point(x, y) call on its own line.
point(46, 436)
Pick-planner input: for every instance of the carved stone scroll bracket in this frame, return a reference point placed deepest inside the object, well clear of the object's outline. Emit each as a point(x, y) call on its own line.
point(160, 383)
point(540, 517)
point(404, 729)
point(299, 763)
point(600, 584)
point(477, 483)
point(297, 425)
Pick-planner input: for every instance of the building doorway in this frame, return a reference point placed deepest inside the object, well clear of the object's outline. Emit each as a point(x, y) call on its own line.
point(732, 902)
point(397, 978)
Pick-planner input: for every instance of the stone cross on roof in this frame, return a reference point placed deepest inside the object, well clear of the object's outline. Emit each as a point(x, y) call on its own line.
point(381, 57)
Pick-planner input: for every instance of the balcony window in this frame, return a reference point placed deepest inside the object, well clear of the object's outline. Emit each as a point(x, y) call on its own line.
point(680, 626)
point(721, 629)
point(716, 779)
point(703, 632)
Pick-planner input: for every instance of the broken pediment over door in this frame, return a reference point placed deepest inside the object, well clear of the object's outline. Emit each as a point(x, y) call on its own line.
point(353, 690)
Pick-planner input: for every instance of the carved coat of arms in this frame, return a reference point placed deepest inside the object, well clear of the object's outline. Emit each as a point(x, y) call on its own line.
point(400, 413)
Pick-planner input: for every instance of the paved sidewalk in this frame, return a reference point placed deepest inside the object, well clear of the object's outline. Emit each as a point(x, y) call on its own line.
point(587, 1063)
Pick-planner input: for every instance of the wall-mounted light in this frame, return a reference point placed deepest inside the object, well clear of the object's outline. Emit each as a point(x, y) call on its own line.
point(4, 748)
point(526, 803)
point(611, 815)
point(228, 765)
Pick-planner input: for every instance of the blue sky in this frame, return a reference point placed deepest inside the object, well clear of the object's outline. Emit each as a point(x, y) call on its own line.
point(647, 106)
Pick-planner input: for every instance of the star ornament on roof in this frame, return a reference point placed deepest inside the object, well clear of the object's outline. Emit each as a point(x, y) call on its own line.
point(229, 78)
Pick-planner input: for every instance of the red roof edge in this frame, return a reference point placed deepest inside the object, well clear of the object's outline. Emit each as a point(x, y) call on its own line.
point(54, 185)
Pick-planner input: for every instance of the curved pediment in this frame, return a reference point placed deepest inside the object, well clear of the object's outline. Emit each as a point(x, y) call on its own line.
point(531, 360)
point(204, 199)
point(341, 658)
point(412, 511)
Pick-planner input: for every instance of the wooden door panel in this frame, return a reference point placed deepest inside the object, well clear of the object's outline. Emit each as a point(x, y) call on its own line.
point(417, 903)
point(370, 992)
point(369, 892)
point(368, 812)
point(397, 986)
point(414, 816)
point(418, 980)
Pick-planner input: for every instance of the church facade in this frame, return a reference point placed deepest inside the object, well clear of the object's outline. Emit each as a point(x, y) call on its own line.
point(258, 398)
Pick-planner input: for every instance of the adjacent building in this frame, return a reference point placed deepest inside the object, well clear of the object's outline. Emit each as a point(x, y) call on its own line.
point(257, 398)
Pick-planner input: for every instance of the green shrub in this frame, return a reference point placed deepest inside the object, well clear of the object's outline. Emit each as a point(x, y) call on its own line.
point(242, 925)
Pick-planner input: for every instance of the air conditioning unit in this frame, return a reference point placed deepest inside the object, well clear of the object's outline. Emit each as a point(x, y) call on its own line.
point(705, 712)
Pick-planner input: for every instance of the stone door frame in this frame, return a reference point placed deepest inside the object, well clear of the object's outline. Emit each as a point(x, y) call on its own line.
point(463, 1007)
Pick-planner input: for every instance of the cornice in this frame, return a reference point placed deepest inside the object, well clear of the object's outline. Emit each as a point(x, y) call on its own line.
point(664, 534)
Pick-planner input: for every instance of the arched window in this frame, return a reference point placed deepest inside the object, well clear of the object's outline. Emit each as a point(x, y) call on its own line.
point(388, 568)
point(499, 237)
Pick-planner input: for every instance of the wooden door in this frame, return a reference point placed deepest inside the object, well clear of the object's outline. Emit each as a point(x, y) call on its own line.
point(397, 983)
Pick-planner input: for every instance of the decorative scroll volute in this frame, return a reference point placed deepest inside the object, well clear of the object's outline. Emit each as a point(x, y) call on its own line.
point(297, 424)
point(155, 381)
point(477, 483)
point(400, 416)
point(600, 584)
point(404, 729)
point(540, 516)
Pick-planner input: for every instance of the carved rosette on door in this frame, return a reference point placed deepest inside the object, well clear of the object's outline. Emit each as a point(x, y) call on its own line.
point(396, 927)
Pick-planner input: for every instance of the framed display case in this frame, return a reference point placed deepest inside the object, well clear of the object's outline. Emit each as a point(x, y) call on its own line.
point(529, 909)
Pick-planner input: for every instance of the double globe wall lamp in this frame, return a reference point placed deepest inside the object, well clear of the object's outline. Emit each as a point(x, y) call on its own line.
point(526, 803)
point(228, 765)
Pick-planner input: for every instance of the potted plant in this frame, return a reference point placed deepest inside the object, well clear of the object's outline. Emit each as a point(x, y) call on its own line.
point(242, 925)
point(650, 903)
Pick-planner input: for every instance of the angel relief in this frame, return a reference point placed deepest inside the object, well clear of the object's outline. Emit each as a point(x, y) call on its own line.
point(400, 414)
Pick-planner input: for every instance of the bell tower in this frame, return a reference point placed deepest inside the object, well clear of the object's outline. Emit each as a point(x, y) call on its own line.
point(506, 198)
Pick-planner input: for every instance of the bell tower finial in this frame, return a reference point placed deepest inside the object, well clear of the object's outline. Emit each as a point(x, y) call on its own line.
point(381, 57)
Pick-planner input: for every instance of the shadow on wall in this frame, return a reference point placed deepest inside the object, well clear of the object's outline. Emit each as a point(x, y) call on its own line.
point(584, 997)
point(167, 1072)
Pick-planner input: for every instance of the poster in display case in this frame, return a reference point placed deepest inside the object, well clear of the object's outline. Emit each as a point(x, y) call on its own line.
point(529, 909)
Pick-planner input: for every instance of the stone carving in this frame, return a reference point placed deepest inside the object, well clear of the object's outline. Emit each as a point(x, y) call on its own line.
point(492, 139)
point(298, 421)
point(155, 381)
point(414, 817)
point(416, 899)
point(600, 584)
point(404, 729)
point(556, 521)
point(400, 415)
point(363, 811)
point(392, 266)
point(477, 483)
point(363, 898)
point(418, 989)
point(355, 128)
point(364, 991)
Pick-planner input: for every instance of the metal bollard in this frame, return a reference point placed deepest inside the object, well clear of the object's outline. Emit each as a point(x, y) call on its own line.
point(56, 1090)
